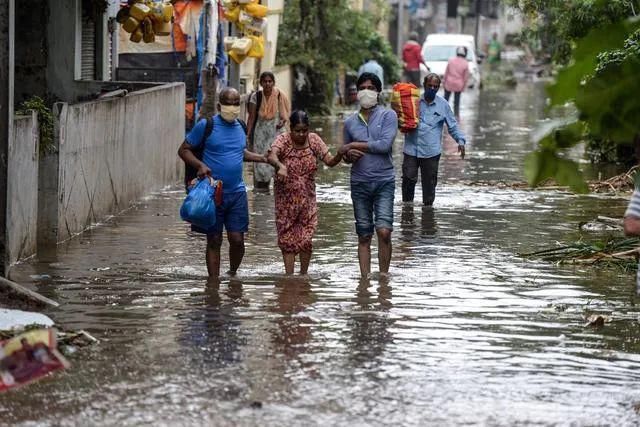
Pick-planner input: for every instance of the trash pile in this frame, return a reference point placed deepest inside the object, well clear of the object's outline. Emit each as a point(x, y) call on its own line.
point(621, 252)
point(28, 357)
point(29, 352)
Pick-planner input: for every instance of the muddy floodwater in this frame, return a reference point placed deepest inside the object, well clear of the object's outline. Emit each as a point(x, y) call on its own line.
point(463, 332)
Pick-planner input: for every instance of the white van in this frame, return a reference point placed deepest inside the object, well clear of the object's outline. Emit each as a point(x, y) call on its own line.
point(439, 48)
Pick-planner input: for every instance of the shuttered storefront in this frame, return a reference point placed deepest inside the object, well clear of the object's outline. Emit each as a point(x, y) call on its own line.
point(88, 49)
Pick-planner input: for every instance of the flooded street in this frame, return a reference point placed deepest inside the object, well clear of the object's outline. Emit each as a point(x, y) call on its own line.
point(463, 332)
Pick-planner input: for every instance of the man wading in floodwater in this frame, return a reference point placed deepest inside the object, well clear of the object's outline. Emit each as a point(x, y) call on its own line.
point(224, 152)
point(368, 143)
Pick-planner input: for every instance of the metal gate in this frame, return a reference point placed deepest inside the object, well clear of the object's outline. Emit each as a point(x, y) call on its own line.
point(88, 49)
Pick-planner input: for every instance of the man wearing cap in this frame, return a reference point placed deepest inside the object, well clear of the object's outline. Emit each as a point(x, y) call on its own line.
point(456, 76)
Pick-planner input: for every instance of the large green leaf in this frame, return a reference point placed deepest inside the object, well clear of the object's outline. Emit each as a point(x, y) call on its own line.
point(544, 164)
point(571, 78)
point(610, 102)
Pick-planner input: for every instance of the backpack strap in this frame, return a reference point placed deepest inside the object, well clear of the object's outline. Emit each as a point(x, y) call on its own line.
point(258, 101)
point(243, 124)
point(208, 130)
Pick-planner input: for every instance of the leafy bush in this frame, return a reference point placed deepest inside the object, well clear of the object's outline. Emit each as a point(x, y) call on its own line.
point(318, 37)
point(45, 121)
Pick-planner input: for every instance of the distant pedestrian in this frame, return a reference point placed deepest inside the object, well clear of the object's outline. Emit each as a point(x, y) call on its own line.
point(368, 142)
point(422, 147)
point(632, 224)
point(224, 152)
point(456, 76)
point(494, 50)
point(412, 58)
point(372, 66)
point(295, 156)
point(269, 110)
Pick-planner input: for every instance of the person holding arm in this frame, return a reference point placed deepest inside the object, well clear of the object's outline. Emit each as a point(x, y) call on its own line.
point(295, 156)
point(631, 224)
point(368, 143)
point(223, 156)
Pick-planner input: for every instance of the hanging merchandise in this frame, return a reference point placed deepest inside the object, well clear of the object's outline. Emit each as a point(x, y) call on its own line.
point(221, 57)
point(255, 26)
point(242, 46)
point(257, 47)
point(146, 19)
point(249, 17)
point(237, 58)
point(209, 21)
point(162, 28)
point(206, 48)
point(228, 42)
point(232, 14)
point(256, 10)
point(139, 11)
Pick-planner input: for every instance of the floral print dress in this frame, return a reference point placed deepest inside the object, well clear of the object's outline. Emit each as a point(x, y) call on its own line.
point(295, 195)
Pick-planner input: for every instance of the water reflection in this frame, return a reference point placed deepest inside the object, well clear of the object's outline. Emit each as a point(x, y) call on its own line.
point(213, 330)
point(408, 227)
point(369, 324)
point(293, 296)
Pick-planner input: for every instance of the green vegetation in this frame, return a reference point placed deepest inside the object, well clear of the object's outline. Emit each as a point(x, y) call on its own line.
point(45, 121)
point(597, 42)
point(319, 37)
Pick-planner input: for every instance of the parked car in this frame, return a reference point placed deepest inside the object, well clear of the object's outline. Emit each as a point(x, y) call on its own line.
point(439, 48)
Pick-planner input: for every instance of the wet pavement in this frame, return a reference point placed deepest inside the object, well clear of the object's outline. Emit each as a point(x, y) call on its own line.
point(463, 332)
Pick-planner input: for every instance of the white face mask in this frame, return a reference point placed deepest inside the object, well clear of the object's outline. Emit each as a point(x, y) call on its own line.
point(367, 98)
point(229, 112)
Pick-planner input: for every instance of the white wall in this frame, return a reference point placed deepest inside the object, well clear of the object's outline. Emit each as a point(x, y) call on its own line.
point(114, 151)
point(22, 191)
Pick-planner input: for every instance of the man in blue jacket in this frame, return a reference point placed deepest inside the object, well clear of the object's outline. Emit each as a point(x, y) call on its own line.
point(368, 143)
point(423, 146)
point(224, 152)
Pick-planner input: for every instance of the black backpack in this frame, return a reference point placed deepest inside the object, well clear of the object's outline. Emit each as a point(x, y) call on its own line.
point(190, 172)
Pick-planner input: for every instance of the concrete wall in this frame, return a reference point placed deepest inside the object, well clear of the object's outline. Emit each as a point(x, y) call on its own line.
point(113, 151)
point(284, 79)
point(22, 188)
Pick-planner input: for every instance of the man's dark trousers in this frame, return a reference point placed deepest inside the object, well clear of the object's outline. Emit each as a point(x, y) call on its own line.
point(428, 175)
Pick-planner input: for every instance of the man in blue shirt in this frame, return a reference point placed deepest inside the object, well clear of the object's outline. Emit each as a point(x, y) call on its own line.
point(224, 152)
point(368, 143)
point(423, 146)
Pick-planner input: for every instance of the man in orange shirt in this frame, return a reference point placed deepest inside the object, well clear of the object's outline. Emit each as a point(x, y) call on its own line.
point(412, 58)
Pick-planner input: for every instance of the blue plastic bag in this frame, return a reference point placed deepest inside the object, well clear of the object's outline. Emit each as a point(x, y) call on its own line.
point(198, 207)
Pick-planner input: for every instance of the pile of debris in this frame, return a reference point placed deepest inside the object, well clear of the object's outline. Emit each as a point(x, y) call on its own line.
point(618, 184)
point(30, 347)
point(621, 252)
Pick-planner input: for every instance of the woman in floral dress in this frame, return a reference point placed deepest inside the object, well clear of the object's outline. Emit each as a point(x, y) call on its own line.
point(295, 156)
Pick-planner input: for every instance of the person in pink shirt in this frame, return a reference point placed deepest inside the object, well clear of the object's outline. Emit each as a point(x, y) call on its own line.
point(456, 76)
